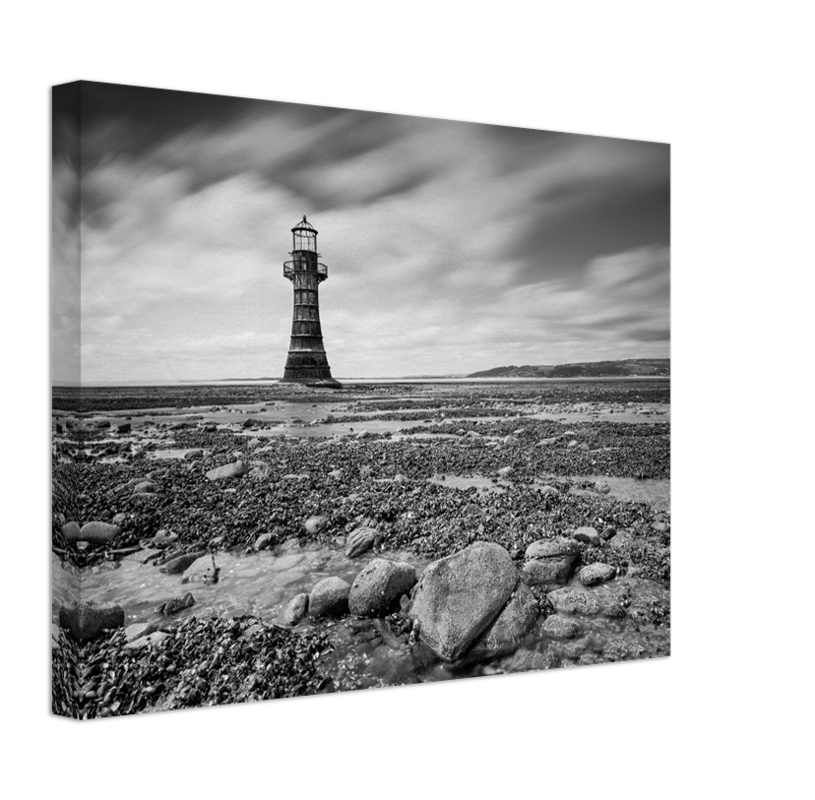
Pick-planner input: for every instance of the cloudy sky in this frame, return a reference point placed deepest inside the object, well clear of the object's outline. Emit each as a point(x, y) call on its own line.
point(451, 246)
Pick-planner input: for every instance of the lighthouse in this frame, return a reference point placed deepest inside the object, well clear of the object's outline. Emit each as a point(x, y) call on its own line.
point(307, 362)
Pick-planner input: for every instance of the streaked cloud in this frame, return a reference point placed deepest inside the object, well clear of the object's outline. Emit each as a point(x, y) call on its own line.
point(451, 246)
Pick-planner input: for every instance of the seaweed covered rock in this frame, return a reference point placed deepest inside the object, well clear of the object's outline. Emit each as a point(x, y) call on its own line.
point(98, 532)
point(360, 541)
point(596, 573)
point(233, 470)
point(549, 562)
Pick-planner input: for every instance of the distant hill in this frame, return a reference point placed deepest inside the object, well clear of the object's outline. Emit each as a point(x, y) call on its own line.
point(589, 369)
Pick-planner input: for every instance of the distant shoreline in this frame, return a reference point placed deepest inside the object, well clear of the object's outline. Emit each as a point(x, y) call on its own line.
point(369, 381)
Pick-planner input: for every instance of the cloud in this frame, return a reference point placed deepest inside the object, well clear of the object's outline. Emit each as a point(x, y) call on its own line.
point(443, 239)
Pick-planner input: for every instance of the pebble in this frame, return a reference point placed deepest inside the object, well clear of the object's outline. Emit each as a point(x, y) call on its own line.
point(589, 535)
point(315, 525)
point(596, 573)
point(559, 627)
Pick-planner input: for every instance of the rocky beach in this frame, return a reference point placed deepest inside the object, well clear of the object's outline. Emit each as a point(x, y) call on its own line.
point(224, 543)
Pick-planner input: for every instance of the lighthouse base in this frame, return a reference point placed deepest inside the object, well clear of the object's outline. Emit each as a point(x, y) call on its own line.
point(309, 370)
point(318, 383)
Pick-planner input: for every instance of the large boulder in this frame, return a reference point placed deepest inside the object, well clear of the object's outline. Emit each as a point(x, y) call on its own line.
point(86, 621)
point(380, 584)
point(329, 598)
point(460, 596)
point(508, 631)
point(549, 562)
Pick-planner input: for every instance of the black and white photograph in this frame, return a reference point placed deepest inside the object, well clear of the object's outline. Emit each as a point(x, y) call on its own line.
point(348, 400)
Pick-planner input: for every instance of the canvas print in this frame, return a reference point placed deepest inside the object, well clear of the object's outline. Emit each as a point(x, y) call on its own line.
point(348, 400)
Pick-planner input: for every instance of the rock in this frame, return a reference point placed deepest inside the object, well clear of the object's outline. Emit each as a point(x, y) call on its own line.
point(546, 490)
point(510, 440)
point(139, 629)
point(509, 630)
point(119, 519)
point(589, 535)
point(152, 639)
point(144, 487)
point(335, 473)
point(505, 471)
point(176, 604)
point(379, 586)
point(71, 532)
point(210, 427)
point(574, 601)
point(596, 573)
point(102, 424)
point(263, 541)
point(202, 570)
point(315, 525)
point(125, 427)
point(573, 443)
point(550, 562)
point(191, 455)
point(164, 536)
point(177, 565)
point(608, 533)
point(86, 621)
point(295, 610)
point(603, 488)
point(360, 541)
point(560, 627)
point(98, 532)
point(233, 470)
point(329, 598)
point(461, 595)
point(622, 541)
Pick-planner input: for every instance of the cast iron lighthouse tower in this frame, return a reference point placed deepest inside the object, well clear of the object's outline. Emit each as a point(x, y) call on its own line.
point(307, 362)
